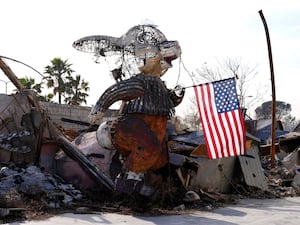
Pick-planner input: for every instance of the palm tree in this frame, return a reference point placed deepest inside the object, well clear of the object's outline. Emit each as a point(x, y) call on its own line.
point(76, 90)
point(29, 83)
point(57, 72)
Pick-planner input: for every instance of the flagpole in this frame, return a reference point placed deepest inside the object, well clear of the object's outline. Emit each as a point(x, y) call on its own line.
point(195, 85)
point(273, 89)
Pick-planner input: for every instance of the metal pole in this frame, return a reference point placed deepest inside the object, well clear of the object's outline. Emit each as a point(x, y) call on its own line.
point(6, 83)
point(273, 90)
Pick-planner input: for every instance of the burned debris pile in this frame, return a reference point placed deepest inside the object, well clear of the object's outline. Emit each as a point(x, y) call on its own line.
point(22, 184)
point(46, 167)
point(35, 167)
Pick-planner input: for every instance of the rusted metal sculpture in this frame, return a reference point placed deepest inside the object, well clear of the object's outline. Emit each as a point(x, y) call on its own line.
point(142, 56)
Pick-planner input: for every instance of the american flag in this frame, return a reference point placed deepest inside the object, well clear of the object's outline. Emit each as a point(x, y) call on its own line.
point(221, 118)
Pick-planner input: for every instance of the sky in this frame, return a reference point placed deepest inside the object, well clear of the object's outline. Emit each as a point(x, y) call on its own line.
point(34, 32)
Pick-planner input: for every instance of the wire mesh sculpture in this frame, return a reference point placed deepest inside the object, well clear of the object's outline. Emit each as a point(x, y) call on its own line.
point(140, 57)
point(128, 52)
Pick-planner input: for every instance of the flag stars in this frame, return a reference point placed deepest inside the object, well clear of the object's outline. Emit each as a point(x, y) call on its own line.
point(225, 96)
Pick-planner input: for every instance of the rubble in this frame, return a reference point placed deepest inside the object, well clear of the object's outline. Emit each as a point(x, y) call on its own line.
point(189, 184)
point(46, 169)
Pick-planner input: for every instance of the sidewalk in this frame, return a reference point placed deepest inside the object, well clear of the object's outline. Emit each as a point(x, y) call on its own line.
point(247, 211)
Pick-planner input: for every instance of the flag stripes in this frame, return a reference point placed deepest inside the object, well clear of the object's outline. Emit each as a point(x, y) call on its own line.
point(221, 118)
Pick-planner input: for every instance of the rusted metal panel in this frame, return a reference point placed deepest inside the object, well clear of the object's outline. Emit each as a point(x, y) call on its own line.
point(252, 169)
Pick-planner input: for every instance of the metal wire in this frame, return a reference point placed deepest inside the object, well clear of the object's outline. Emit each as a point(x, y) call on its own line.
point(4, 57)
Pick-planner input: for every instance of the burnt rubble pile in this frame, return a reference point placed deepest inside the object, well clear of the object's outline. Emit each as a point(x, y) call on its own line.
point(21, 183)
point(284, 177)
point(67, 170)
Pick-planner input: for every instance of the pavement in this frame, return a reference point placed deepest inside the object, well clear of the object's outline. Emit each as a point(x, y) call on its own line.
point(247, 211)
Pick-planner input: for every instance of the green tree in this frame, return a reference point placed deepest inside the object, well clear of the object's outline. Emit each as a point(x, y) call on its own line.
point(76, 90)
point(46, 98)
point(57, 73)
point(29, 83)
